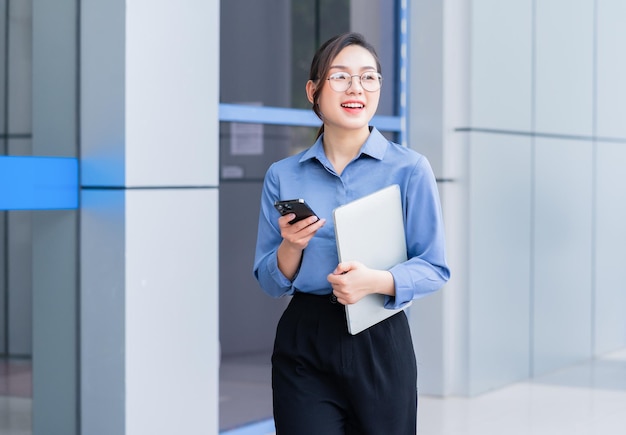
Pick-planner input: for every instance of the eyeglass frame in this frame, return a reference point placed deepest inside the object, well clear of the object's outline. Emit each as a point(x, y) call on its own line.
point(360, 76)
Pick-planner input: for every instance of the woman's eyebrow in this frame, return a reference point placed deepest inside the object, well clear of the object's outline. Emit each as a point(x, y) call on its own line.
point(363, 68)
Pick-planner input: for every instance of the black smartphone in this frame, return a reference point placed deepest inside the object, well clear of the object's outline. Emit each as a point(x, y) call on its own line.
point(297, 206)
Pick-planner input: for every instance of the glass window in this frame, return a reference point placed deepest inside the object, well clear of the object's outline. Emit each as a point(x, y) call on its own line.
point(247, 150)
point(267, 47)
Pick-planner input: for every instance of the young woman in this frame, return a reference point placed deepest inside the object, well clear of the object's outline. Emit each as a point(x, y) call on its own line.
point(324, 380)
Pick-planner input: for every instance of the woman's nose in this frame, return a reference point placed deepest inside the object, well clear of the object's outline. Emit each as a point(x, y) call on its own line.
point(355, 84)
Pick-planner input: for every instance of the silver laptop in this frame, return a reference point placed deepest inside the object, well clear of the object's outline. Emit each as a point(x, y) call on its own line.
point(371, 230)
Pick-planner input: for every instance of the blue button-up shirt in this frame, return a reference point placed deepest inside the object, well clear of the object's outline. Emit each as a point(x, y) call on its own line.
point(310, 175)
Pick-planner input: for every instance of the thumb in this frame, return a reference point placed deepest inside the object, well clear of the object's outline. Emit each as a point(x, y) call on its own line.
point(342, 268)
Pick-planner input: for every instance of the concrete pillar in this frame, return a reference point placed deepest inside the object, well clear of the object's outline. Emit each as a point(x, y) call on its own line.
point(149, 216)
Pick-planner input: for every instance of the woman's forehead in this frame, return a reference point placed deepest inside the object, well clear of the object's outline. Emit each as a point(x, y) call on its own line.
point(354, 55)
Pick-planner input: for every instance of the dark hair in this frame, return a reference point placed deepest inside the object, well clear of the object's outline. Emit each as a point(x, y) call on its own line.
point(320, 66)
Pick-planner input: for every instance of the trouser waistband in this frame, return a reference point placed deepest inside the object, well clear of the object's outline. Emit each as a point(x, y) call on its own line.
point(330, 297)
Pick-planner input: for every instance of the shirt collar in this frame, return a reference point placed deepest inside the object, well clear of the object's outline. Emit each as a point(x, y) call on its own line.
point(375, 146)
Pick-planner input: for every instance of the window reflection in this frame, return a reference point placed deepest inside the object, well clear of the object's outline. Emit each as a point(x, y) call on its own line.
point(266, 51)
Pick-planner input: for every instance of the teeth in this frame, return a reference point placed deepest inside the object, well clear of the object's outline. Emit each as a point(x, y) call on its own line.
point(353, 105)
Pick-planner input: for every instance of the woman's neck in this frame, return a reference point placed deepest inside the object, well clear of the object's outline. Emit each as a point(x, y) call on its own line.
point(343, 146)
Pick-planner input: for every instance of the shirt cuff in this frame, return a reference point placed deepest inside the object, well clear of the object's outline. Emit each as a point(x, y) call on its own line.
point(278, 277)
point(404, 292)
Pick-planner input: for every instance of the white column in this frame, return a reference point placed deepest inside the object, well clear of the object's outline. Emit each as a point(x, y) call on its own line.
point(149, 227)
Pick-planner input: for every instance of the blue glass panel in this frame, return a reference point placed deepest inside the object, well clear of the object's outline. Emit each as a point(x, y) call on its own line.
point(258, 428)
point(37, 183)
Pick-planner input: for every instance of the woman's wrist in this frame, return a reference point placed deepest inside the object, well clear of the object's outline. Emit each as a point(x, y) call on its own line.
point(289, 258)
point(385, 283)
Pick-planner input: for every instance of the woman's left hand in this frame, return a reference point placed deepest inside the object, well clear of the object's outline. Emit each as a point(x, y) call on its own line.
point(351, 281)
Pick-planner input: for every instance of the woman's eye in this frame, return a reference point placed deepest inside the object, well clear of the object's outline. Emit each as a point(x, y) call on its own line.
point(339, 77)
point(370, 77)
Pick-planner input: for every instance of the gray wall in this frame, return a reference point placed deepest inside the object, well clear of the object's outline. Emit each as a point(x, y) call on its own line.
point(533, 136)
point(54, 246)
point(15, 139)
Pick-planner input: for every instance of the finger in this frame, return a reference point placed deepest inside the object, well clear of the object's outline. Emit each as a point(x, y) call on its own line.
point(306, 231)
point(313, 221)
point(283, 221)
point(343, 268)
point(351, 265)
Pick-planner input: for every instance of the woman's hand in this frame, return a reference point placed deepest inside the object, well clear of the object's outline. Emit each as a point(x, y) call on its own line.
point(299, 234)
point(296, 237)
point(351, 281)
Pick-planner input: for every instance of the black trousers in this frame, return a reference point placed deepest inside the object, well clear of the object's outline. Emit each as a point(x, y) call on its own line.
point(328, 382)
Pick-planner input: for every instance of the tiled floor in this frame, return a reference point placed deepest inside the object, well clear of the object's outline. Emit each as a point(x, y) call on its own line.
point(245, 390)
point(528, 409)
point(586, 399)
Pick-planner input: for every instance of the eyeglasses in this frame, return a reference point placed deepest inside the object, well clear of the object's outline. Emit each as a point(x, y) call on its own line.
point(341, 81)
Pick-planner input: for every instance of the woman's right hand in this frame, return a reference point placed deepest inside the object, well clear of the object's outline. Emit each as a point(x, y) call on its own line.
point(296, 237)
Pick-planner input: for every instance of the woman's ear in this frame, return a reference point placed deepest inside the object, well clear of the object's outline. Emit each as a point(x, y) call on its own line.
point(310, 91)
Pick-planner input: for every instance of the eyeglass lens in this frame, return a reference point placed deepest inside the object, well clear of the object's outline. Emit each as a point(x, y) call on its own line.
point(341, 81)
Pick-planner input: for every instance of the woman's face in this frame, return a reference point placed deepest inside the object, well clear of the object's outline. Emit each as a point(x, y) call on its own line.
point(353, 108)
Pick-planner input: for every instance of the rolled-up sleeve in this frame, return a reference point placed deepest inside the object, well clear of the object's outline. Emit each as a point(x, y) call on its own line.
point(266, 270)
